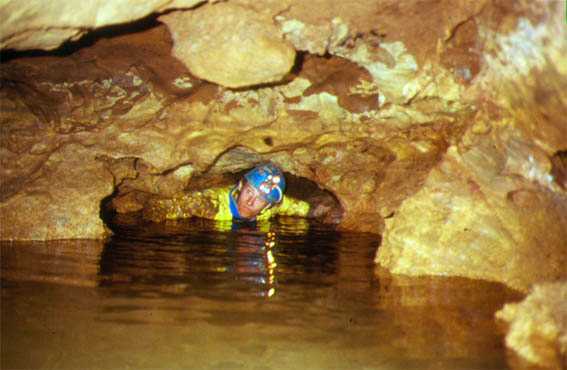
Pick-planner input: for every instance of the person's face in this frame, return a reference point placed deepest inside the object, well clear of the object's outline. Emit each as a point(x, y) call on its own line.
point(249, 202)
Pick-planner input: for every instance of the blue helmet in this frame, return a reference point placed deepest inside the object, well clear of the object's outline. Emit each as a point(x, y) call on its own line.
point(269, 180)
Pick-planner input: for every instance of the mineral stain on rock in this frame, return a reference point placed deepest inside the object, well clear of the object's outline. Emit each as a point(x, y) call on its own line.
point(342, 79)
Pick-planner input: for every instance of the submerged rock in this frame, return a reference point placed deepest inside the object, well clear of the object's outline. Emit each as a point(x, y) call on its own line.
point(538, 326)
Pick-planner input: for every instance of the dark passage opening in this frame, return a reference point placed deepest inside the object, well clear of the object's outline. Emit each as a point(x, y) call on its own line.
point(87, 40)
point(325, 208)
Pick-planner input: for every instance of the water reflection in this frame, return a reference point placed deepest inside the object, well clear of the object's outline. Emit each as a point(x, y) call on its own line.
point(213, 259)
point(69, 262)
point(202, 295)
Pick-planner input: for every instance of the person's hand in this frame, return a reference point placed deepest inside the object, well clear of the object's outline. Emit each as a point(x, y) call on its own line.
point(325, 209)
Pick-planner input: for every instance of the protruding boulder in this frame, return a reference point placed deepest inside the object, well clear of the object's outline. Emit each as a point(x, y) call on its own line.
point(230, 45)
point(470, 220)
point(37, 24)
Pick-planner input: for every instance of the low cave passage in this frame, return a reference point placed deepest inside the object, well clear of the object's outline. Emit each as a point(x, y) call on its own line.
point(128, 205)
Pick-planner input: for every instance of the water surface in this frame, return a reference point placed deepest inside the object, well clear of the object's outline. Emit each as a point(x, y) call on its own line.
point(202, 295)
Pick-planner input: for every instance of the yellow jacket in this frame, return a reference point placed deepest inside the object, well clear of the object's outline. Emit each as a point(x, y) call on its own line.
point(214, 204)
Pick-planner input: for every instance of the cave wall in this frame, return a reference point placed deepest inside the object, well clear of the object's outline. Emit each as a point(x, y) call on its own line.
point(438, 124)
point(357, 115)
point(495, 207)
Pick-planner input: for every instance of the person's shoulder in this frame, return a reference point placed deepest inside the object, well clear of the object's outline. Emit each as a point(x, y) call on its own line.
point(289, 200)
point(213, 191)
point(218, 189)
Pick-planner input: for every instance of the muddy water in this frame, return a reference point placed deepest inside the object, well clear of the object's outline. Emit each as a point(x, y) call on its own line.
point(198, 295)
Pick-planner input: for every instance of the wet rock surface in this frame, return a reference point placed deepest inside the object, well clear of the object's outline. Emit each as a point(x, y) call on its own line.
point(538, 326)
point(153, 126)
point(60, 199)
point(480, 224)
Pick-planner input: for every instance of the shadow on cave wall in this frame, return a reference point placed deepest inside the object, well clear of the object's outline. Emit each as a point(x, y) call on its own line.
point(87, 40)
point(559, 168)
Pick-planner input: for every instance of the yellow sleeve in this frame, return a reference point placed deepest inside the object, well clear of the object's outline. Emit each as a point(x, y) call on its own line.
point(288, 207)
point(210, 203)
point(223, 205)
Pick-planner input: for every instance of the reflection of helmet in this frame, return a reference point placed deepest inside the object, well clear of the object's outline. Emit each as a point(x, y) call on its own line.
point(269, 180)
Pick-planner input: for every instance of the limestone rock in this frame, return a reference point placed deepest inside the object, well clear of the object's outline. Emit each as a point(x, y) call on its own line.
point(37, 24)
point(320, 26)
point(342, 79)
point(366, 122)
point(60, 201)
point(538, 326)
point(468, 220)
point(532, 79)
point(496, 207)
point(154, 127)
point(316, 39)
point(230, 45)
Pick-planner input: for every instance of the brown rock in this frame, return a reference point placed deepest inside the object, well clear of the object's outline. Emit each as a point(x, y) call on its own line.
point(495, 208)
point(44, 25)
point(531, 81)
point(538, 326)
point(318, 25)
point(230, 45)
point(468, 220)
point(61, 201)
point(126, 98)
point(341, 78)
